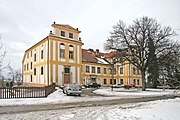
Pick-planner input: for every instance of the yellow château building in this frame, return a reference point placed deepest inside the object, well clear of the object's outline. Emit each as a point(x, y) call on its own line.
point(59, 58)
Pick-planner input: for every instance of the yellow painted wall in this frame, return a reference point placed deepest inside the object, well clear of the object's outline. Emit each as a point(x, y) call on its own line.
point(127, 74)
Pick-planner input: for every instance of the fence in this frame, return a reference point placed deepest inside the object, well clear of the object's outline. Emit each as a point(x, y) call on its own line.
point(26, 92)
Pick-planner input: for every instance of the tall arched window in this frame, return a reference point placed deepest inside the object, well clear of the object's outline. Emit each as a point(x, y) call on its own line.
point(34, 71)
point(42, 54)
point(31, 65)
point(71, 52)
point(41, 70)
point(62, 50)
point(34, 57)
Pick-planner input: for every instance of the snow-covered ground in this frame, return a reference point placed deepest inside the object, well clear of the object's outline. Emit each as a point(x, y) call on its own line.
point(121, 92)
point(107, 94)
point(155, 110)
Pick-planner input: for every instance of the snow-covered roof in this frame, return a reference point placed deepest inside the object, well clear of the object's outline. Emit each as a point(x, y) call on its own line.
point(101, 61)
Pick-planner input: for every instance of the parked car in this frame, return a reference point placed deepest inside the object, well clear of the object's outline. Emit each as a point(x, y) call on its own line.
point(92, 85)
point(129, 86)
point(72, 89)
point(95, 85)
point(117, 86)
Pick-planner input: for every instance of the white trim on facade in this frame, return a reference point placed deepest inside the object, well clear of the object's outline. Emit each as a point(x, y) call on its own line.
point(73, 70)
point(54, 73)
point(60, 78)
point(54, 50)
point(78, 75)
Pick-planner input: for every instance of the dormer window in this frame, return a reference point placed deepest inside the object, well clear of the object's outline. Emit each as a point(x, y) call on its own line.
point(63, 33)
point(71, 35)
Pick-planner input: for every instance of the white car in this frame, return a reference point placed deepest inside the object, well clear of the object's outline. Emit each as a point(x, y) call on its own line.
point(117, 86)
point(72, 89)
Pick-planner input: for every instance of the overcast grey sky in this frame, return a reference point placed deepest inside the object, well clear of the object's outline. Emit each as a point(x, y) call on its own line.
point(25, 22)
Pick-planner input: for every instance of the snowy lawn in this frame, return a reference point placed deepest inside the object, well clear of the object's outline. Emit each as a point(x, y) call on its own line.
point(155, 110)
point(121, 92)
point(107, 94)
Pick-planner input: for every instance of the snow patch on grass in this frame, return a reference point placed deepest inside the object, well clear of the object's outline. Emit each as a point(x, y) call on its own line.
point(134, 92)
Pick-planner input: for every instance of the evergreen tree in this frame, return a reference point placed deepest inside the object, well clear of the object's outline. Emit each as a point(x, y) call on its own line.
point(152, 69)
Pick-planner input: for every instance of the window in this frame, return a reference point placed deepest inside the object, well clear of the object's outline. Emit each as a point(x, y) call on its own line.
point(113, 71)
point(27, 66)
point(62, 50)
point(114, 81)
point(134, 81)
point(87, 69)
point(31, 65)
point(31, 53)
point(121, 81)
point(24, 67)
point(66, 70)
point(31, 78)
point(71, 54)
point(93, 70)
point(41, 70)
point(138, 82)
point(71, 35)
point(105, 81)
point(34, 57)
point(98, 70)
point(41, 54)
point(138, 72)
point(63, 34)
point(28, 55)
point(111, 82)
point(134, 70)
point(62, 53)
point(104, 70)
point(121, 70)
point(34, 71)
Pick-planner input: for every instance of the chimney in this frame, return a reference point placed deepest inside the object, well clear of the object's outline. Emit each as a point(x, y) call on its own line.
point(79, 39)
point(50, 32)
point(90, 49)
point(54, 22)
point(76, 28)
point(97, 50)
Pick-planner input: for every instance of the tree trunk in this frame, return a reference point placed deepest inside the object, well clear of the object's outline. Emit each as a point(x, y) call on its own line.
point(143, 80)
point(154, 83)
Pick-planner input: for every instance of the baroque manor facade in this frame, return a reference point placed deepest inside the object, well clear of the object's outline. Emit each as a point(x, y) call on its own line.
point(59, 58)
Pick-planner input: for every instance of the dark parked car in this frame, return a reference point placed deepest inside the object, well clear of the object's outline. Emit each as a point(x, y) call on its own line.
point(129, 86)
point(95, 85)
point(92, 85)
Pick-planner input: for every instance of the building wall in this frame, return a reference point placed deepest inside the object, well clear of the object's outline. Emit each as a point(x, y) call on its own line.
point(53, 66)
point(56, 64)
point(28, 71)
point(86, 76)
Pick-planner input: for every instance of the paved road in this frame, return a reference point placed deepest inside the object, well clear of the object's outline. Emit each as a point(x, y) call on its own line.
point(30, 108)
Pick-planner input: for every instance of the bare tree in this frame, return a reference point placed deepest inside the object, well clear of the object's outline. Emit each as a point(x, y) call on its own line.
point(11, 72)
point(18, 75)
point(2, 55)
point(136, 37)
point(15, 75)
